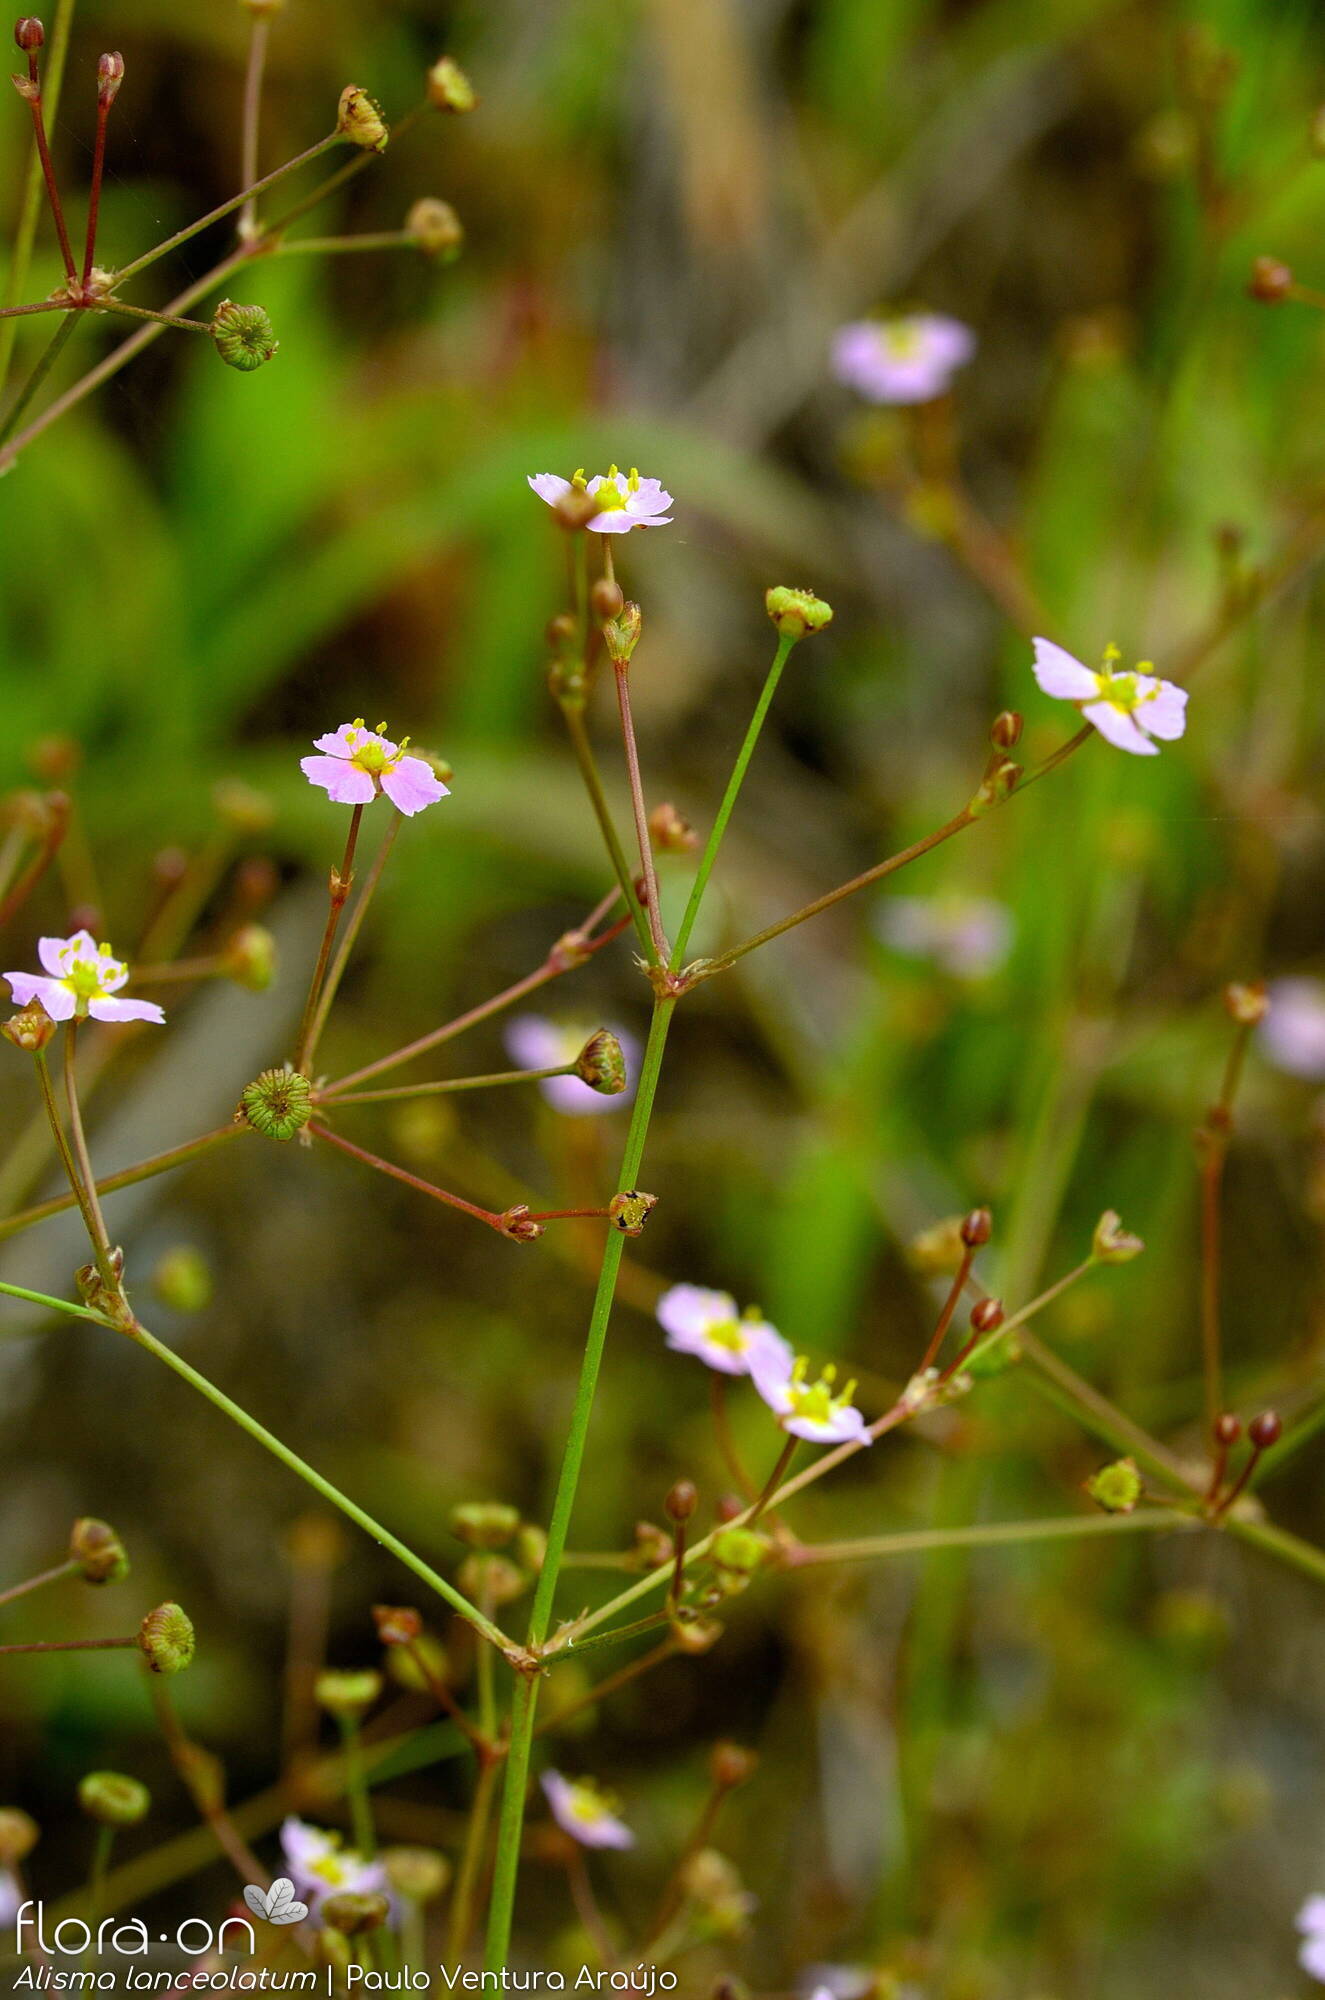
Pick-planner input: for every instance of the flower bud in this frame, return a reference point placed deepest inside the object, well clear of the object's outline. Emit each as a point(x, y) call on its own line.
point(1227, 1429)
point(730, 1764)
point(1247, 1002)
point(351, 1912)
point(436, 228)
point(347, 1695)
point(630, 1211)
point(418, 1874)
point(998, 784)
point(113, 1799)
point(492, 1579)
point(519, 1224)
point(449, 89)
point(621, 634)
point(484, 1524)
point(1112, 1244)
point(1265, 1430)
point(670, 832)
point(30, 1029)
point(796, 612)
point(1006, 732)
point(98, 1551)
point(575, 508)
point(19, 1832)
point(243, 336)
point(182, 1279)
point(1270, 281)
point(607, 598)
point(397, 1624)
point(987, 1316)
point(359, 119)
point(1116, 1488)
point(110, 75)
point(425, 1661)
point(278, 1103)
point(250, 958)
point(681, 1501)
point(167, 1640)
point(29, 33)
point(653, 1547)
point(602, 1065)
point(977, 1228)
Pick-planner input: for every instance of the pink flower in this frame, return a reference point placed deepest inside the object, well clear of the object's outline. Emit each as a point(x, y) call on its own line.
point(1292, 1034)
point(707, 1325)
point(809, 1409)
point(322, 1866)
point(1311, 1922)
point(584, 1812)
point(537, 1043)
point(626, 500)
point(358, 763)
point(906, 360)
point(1127, 708)
point(968, 937)
point(83, 976)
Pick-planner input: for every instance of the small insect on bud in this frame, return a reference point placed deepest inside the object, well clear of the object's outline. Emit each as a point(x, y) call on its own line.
point(113, 1799)
point(347, 1695)
point(681, 1501)
point(493, 1580)
point(19, 1834)
point(351, 1912)
point(621, 634)
point(278, 1103)
point(1227, 1429)
point(1006, 732)
point(602, 1065)
point(987, 1316)
point(30, 1029)
point(250, 958)
point(436, 228)
point(167, 1639)
point(243, 336)
point(359, 119)
point(397, 1624)
point(1116, 1488)
point(1247, 1002)
point(182, 1279)
point(449, 89)
point(1270, 281)
point(731, 1765)
point(670, 831)
point(98, 1551)
point(1112, 1244)
point(29, 33)
point(630, 1211)
point(796, 612)
point(1265, 1430)
point(484, 1524)
point(607, 598)
point(977, 1228)
point(418, 1874)
point(110, 75)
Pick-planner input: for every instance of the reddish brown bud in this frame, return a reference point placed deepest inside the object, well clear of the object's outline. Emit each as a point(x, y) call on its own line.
point(682, 1501)
point(110, 75)
point(576, 508)
point(1006, 732)
point(1266, 1429)
point(977, 1228)
point(1270, 281)
point(1227, 1429)
point(30, 1029)
point(519, 1224)
point(670, 832)
point(987, 1316)
point(731, 1765)
point(607, 598)
point(561, 631)
point(29, 33)
point(1247, 1002)
point(397, 1624)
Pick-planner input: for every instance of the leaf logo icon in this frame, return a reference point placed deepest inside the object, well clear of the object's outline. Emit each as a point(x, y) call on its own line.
point(277, 1905)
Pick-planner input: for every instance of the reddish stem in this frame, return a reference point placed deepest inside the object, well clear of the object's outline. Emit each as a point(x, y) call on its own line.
point(410, 1180)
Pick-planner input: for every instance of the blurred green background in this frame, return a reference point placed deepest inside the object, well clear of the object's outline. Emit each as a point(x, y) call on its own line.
point(1089, 1770)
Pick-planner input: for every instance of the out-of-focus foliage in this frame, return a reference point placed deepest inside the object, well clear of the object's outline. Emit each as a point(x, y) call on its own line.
point(1083, 1770)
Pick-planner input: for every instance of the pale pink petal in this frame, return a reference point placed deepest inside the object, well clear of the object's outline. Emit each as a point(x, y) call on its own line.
point(125, 1010)
point(1164, 714)
point(337, 745)
point(770, 1353)
point(1292, 1037)
point(114, 974)
point(345, 783)
point(1311, 1957)
point(49, 951)
point(604, 1830)
point(948, 342)
point(54, 996)
point(1059, 674)
point(617, 522)
point(1119, 729)
point(686, 1312)
point(549, 486)
point(1311, 1916)
point(533, 1042)
point(412, 785)
point(649, 496)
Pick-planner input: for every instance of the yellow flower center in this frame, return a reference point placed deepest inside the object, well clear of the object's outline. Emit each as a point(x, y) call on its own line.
point(1122, 691)
point(728, 1333)
point(901, 339)
point(815, 1401)
point(371, 754)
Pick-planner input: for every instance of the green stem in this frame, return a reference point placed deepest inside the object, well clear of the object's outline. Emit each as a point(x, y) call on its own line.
point(342, 879)
point(251, 121)
point(657, 935)
point(55, 1305)
point(160, 1163)
point(352, 929)
point(502, 1906)
point(57, 49)
point(126, 311)
point(220, 1401)
point(96, 1221)
point(67, 1159)
point(17, 1590)
point(342, 246)
point(983, 1535)
point(356, 1782)
point(573, 711)
point(247, 194)
point(450, 1083)
point(730, 796)
point(50, 355)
